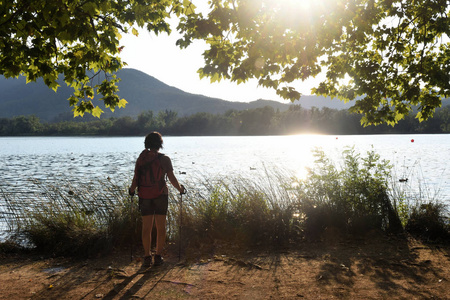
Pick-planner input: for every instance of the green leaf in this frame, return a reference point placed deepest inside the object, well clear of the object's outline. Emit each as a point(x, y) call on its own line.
point(122, 103)
point(73, 101)
point(96, 112)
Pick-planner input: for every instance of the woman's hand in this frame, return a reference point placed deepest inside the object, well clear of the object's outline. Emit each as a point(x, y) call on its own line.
point(182, 189)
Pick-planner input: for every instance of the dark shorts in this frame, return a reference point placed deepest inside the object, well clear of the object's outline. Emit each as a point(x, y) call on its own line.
point(157, 206)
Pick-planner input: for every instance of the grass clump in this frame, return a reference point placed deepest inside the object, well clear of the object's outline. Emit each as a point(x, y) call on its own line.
point(238, 212)
point(430, 222)
point(10, 246)
point(223, 214)
point(66, 233)
point(81, 220)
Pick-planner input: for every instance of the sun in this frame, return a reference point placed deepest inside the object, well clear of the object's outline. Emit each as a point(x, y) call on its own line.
point(298, 4)
point(300, 11)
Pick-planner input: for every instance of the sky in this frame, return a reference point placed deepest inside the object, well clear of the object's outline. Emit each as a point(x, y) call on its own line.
point(159, 57)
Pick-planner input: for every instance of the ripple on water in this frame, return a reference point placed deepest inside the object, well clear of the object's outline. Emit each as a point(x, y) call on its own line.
point(226, 155)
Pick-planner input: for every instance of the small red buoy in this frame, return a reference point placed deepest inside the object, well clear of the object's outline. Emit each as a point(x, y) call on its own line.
point(412, 140)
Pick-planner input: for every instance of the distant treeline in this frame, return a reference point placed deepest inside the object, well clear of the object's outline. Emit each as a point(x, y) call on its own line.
point(259, 121)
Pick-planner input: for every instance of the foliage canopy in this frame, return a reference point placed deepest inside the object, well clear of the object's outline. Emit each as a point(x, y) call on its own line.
point(389, 55)
point(78, 39)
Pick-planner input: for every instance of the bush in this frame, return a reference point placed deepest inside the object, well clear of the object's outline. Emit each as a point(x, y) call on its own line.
point(428, 221)
point(353, 200)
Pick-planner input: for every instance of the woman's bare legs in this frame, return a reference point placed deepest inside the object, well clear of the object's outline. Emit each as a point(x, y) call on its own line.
point(147, 226)
point(160, 221)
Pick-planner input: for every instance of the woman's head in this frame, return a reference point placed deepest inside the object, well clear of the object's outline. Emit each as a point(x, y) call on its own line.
point(153, 141)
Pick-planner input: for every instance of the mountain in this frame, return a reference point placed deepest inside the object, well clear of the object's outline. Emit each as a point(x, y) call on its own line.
point(142, 91)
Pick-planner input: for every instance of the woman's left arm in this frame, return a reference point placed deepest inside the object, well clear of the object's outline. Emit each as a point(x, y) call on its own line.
point(174, 181)
point(133, 186)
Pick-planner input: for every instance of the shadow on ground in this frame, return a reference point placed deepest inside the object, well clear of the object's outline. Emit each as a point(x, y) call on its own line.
point(373, 267)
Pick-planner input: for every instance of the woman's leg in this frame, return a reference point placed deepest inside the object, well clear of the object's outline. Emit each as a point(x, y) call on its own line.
point(160, 221)
point(147, 225)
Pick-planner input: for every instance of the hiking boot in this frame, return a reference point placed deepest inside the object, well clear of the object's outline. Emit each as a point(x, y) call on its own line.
point(147, 262)
point(158, 260)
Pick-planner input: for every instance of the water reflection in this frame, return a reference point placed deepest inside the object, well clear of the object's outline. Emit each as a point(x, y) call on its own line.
point(86, 159)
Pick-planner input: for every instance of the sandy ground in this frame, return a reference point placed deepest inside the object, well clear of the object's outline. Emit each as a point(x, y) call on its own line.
point(370, 268)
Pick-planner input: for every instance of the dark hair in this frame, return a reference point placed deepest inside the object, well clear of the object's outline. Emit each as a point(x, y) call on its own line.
point(153, 140)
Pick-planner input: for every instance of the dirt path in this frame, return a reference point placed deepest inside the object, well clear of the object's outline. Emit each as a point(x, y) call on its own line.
point(381, 269)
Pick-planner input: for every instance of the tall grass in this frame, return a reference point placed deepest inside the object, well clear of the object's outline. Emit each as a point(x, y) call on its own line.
point(63, 218)
point(270, 210)
point(241, 212)
point(422, 211)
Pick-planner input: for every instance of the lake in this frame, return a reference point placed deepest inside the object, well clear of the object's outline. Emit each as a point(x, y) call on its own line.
point(422, 159)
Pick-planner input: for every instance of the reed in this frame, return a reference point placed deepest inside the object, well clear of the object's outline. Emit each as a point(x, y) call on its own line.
point(241, 212)
point(273, 209)
point(66, 218)
point(423, 211)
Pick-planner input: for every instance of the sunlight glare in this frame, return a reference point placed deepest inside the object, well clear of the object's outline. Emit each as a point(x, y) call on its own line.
point(304, 146)
point(301, 173)
point(307, 6)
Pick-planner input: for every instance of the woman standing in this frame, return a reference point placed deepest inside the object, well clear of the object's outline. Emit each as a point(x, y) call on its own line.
point(150, 172)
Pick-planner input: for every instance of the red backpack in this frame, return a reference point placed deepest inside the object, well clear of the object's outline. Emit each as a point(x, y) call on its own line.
point(151, 181)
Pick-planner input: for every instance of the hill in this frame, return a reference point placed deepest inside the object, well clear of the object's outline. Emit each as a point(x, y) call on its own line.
point(142, 91)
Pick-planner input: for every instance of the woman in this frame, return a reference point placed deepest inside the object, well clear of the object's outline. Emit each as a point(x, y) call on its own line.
point(149, 178)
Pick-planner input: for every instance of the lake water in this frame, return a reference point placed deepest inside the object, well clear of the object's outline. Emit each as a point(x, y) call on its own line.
point(423, 159)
